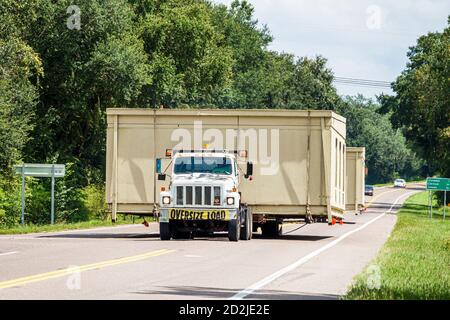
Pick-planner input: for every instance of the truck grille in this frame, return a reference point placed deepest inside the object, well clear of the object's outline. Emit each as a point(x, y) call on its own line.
point(198, 195)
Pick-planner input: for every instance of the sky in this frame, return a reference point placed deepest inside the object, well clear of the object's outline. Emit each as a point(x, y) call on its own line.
point(361, 39)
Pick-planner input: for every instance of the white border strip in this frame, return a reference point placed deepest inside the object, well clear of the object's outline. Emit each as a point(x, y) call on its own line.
point(262, 283)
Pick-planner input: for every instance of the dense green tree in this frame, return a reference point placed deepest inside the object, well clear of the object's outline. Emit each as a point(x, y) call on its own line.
point(100, 65)
point(18, 97)
point(421, 104)
point(267, 79)
point(387, 154)
point(191, 61)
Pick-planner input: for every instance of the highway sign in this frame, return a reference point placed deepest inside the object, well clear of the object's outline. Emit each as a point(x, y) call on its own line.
point(438, 184)
point(41, 170)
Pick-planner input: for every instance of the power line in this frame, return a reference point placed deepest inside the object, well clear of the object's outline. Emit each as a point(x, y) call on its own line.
point(362, 82)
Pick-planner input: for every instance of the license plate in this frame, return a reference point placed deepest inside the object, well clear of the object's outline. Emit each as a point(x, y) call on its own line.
point(191, 215)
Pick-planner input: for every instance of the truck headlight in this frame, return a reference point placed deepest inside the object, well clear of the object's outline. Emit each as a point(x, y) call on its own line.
point(166, 200)
point(230, 201)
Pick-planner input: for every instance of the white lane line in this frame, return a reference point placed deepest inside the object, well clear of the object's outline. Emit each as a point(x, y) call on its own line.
point(8, 253)
point(262, 283)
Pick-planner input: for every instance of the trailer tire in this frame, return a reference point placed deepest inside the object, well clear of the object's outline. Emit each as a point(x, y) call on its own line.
point(234, 229)
point(164, 231)
point(271, 229)
point(246, 229)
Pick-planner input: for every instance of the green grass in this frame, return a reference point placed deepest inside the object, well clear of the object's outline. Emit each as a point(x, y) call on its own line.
point(415, 261)
point(68, 226)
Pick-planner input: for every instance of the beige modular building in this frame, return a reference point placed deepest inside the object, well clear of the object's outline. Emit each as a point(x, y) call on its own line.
point(299, 157)
point(355, 172)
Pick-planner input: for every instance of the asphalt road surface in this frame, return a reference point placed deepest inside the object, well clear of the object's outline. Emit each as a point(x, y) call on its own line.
point(313, 261)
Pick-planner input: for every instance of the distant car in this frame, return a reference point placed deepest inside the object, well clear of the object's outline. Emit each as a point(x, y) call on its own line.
point(399, 183)
point(368, 191)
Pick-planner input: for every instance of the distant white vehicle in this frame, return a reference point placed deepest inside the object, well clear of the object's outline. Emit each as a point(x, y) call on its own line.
point(399, 183)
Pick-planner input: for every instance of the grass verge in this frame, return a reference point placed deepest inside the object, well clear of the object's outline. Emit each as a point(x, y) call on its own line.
point(68, 226)
point(415, 261)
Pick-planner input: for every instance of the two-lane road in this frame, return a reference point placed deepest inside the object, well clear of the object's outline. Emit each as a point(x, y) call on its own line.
point(130, 262)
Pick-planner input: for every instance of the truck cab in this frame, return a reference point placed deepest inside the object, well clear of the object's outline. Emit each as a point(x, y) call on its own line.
point(203, 196)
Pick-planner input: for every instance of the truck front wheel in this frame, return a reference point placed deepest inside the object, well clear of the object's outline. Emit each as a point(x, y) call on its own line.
point(234, 229)
point(164, 231)
point(246, 229)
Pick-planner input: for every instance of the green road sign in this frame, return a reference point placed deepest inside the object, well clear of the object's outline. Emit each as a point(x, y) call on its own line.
point(41, 170)
point(438, 184)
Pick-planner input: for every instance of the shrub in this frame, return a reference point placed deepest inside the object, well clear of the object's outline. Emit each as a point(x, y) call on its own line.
point(95, 203)
point(10, 205)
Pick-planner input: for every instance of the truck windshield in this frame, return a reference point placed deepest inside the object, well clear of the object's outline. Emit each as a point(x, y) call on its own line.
point(216, 165)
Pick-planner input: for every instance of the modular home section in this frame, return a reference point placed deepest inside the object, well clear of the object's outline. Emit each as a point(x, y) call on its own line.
point(355, 200)
point(298, 155)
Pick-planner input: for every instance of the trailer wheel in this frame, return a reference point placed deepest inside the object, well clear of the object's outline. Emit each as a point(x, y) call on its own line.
point(271, 229)
point(246, 229)
point(234, 229)
point(164, 231)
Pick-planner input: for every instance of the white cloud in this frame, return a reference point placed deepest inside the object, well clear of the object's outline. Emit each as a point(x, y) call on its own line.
point(338, 30)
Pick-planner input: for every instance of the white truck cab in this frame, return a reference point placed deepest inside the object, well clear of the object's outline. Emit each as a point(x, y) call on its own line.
point(203, 196)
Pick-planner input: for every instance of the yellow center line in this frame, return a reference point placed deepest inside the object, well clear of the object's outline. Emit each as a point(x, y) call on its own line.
point(76, 269)
point(379, 195)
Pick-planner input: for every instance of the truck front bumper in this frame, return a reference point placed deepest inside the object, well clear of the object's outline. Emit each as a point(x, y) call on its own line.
point(197, 214)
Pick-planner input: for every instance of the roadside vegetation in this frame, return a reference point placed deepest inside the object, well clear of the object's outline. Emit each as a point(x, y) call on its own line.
point(414, 262)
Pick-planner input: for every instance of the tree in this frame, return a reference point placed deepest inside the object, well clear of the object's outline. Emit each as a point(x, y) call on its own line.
point(18, 98)
point(387, 154)
point(190, 58)
point(103, 64)
point(421, 104)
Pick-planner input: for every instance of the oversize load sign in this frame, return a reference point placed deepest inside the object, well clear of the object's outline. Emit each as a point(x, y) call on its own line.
point(439, 184)
point(190, 215)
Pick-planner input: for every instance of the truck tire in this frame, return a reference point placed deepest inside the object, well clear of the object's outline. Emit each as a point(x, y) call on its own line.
point(250, 225)
point(271, 229)
point(246, 229)
point(234, 229)
point(164, 231)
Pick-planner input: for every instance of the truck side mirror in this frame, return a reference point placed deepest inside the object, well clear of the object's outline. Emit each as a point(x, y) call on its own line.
point(161, 177)
point(158, 166)
point(249, 170)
